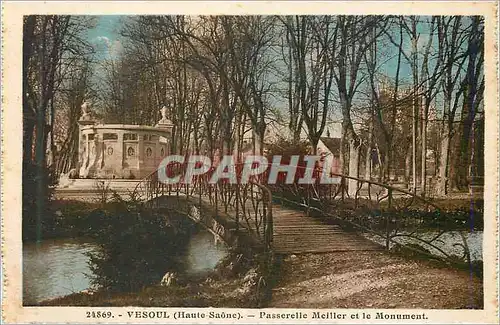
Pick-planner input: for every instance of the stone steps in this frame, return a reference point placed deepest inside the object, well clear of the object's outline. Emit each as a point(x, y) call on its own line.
point(90, 184)
point(91, 188)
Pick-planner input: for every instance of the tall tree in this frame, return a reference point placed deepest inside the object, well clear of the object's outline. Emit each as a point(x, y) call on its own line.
point(49, 43)
point(354, 40)
point(311, 71)
point(430, 79)
point(473, 89)
point(75, 89)
point(452, 40)
point(249, 39)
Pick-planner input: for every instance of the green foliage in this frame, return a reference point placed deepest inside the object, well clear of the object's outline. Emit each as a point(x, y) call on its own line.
point(135, 248)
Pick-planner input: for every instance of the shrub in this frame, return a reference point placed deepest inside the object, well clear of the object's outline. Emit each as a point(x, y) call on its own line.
point(30, 198)
point(135, 248)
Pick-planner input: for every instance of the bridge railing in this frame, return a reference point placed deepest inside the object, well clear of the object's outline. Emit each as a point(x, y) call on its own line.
point(249, 204)
point(384, 213)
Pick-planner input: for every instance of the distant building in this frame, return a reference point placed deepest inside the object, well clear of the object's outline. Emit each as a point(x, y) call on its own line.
point(329, 149)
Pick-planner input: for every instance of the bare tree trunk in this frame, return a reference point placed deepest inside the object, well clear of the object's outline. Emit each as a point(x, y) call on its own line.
point(408, 157)
point(423, 181)
point(40, 136)
point(473, 95)
point(386, 176)
point(414, 148)
point(449, 42)
point(258, 139)
point(354, 149)
point(28, 126)
point(442, 188)
point(381, 166)
point(414, 103)
point(368, 158)
point(372, 61)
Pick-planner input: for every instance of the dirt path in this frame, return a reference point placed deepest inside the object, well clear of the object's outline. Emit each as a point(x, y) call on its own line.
point(372, 280)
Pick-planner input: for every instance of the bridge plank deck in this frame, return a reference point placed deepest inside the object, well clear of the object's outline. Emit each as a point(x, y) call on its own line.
point(296, 233)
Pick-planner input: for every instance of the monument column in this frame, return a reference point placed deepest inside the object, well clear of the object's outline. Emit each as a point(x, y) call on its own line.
point(119, 152)
point(140, 153)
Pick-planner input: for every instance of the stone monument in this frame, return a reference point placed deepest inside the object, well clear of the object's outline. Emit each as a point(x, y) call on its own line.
point(164, 122)
point(86, 113)
point(121, 151)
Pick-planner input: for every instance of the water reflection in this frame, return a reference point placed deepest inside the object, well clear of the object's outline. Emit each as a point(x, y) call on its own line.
point(54, 268)
point(202, 253)
point(58, 267)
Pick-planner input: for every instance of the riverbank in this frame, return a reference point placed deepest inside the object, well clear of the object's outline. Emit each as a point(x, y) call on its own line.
point(331, 280)
point(66, 219)
point(236, 282)
point(373, 280)
point(399, 279)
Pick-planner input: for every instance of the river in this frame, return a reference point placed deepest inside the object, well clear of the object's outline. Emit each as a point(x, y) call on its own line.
point(449, 242)
point(58, 267)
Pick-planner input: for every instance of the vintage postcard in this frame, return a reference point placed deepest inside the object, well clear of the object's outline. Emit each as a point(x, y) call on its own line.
point(250, 162)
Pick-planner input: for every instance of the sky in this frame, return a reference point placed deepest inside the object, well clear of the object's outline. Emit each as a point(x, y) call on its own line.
point(105, 36)
point(108, 42)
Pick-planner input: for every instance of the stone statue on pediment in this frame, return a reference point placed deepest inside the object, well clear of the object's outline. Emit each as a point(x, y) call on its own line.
point(86, 112)
point(164, 121)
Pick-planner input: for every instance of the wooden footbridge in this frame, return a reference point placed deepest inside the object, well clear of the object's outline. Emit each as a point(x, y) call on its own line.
point(307, 218)
point(294, 233)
